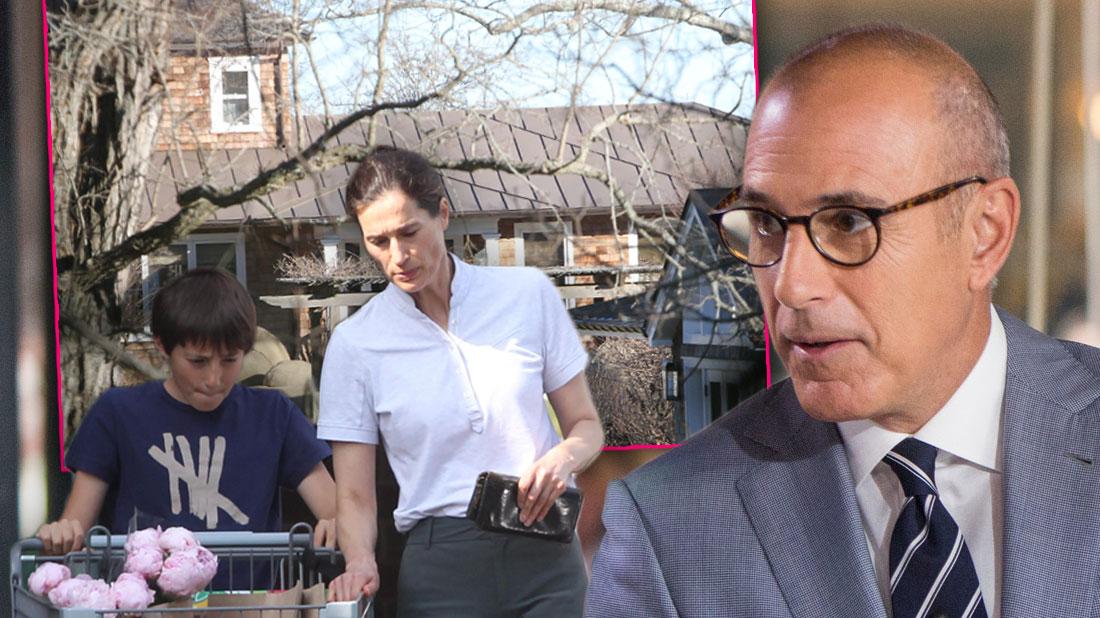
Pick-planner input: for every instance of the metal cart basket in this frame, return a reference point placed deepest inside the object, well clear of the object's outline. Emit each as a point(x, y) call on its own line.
point(248, 561)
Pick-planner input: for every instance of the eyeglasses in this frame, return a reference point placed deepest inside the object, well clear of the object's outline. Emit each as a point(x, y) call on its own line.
point(844, 234)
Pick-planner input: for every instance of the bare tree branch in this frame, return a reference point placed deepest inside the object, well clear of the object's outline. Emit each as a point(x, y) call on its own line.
point(116, 351)
point(198, 203)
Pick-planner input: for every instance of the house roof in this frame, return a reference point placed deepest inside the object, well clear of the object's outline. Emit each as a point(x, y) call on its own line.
point(226, 26)
point(655, 164)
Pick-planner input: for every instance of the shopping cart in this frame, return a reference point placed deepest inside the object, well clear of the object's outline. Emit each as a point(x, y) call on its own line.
point(251, 561)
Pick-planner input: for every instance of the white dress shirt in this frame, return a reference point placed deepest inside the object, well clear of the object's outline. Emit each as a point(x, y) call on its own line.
point(450, 404)
point(969, 474)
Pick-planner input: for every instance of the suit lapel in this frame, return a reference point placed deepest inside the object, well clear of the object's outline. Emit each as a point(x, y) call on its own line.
point(1051, 478)
point(803, 508)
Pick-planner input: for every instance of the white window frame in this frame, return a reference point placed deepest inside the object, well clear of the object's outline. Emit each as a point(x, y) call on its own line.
point(331, 250)
point(632, 252)
point(251, 66)
point(556, 227)
point(192, 256)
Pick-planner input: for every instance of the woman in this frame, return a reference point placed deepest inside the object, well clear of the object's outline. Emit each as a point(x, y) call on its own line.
point(449, 366)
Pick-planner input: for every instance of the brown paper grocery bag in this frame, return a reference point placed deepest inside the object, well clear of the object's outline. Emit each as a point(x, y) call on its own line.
point(220, 604)
point(177, 604)
point(292, 596)
point(314, 595)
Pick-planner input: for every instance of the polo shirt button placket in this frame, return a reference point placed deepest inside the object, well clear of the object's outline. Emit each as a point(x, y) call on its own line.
point(473, 408)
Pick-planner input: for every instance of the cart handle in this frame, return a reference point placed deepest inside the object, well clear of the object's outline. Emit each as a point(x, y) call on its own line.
point(31, 545)
point(34, 545)
point(359, 608)
point(217, 539)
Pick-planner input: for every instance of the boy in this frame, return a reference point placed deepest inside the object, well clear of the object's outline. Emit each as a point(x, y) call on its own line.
point(197, 450)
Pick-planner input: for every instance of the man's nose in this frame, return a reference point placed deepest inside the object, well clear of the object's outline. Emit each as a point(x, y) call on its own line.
point(803, 273)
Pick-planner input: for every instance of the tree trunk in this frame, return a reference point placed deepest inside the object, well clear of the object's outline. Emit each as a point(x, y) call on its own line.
point(107, 60)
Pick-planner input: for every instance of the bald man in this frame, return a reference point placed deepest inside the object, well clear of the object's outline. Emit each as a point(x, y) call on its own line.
point(930, 455)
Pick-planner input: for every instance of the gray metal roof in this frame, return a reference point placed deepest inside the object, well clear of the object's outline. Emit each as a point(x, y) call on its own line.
point(222, 26)
point(658, 158)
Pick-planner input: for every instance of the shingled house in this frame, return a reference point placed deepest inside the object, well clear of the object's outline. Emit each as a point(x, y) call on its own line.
point(713, 326)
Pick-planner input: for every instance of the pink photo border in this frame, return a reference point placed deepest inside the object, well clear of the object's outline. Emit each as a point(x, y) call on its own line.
point(53, 247)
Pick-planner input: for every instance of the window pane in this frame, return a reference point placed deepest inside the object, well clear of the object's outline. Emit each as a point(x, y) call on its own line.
point(715, 391)
point(165, 264)
point(218, 254)
point(168, 263)
point(235, 81)
point(235, 111)
point(540, 249)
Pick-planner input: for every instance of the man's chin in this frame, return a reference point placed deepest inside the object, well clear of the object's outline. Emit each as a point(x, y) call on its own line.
point(831, 402)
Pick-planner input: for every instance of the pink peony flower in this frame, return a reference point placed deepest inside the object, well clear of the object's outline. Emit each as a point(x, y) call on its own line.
point(177, 538)
point(187, 571)
point(146, 562)
point(47, 576)
point(131, 591)
point(84, 592)
point(146, 538)
point(62, 594)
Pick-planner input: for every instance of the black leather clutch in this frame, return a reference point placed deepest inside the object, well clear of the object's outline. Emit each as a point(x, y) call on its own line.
point(493, 507)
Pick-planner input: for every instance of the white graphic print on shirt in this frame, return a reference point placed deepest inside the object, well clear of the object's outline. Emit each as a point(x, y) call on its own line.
point(202, 478)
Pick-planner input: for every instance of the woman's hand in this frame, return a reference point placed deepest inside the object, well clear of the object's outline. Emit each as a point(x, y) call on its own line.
point(360, 577)
point(543, 483)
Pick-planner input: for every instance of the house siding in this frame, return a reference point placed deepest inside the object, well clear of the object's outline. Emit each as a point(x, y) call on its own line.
point(185, 122)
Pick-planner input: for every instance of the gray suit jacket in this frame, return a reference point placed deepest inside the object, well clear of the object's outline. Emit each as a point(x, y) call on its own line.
point(757, 515)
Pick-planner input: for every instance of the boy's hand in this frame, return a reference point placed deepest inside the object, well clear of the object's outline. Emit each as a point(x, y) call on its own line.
point(61, 536)
point(360, 577)
point(324, 533)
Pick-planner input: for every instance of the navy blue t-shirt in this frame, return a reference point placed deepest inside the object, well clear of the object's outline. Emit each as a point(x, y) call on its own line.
point(178, 466)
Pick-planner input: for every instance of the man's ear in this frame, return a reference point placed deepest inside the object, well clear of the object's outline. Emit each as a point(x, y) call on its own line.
point(992, 226)
point(160, 346)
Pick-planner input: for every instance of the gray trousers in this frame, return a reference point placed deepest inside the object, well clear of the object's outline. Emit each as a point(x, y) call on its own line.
point(452, 568)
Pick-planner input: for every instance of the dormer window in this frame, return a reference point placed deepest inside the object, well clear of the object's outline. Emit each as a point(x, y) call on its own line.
point(235, 95)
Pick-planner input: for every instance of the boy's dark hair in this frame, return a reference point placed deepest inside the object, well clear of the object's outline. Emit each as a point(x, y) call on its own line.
point(387, 168)
point(206, 307)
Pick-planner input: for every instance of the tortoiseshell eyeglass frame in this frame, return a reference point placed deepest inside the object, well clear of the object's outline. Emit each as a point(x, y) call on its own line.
point(874, 214)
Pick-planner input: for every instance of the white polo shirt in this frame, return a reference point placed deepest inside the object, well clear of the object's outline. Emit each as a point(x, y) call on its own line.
point(451, 404)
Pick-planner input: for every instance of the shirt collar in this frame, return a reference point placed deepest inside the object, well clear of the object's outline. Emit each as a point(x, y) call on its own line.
point(460, 285)
point(968, 426)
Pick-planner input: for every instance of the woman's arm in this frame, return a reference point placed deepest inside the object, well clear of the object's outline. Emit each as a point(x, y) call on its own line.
point(356, 520)
point(580, 426)
point(81, 510)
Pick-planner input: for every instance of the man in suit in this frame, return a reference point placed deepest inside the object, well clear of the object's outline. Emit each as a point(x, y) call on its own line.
point(929, 455)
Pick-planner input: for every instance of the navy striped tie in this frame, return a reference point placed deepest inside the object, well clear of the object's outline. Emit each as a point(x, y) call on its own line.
point(931, 573)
